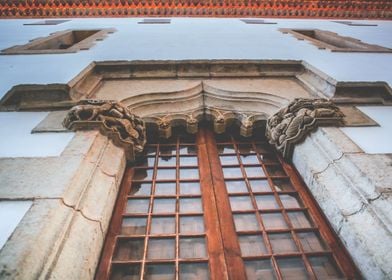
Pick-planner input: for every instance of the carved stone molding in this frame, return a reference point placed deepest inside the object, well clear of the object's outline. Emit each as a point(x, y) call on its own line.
point(293, 123)
point(114, 120)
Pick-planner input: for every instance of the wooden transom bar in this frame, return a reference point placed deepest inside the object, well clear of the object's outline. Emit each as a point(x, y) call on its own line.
point(218, 207)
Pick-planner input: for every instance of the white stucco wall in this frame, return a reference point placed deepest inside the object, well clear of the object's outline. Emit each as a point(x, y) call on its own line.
point(373, 140)
point(192, 38)
point(17, 140)
point(11, 212)
point(184, 38)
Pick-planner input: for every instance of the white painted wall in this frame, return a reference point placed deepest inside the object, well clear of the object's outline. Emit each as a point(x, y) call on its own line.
point(17, 141)
point(184, 38)
point(373, 140)
point(192, 38)
point(11, 213)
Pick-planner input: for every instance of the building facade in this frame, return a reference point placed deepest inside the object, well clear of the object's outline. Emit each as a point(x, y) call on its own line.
point(60, 179)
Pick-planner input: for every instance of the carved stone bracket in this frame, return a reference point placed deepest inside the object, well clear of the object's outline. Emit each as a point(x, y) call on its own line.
point(293, 123)
point(114, 120)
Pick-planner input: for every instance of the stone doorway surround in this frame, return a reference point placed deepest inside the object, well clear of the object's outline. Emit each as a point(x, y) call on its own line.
point(62, 234)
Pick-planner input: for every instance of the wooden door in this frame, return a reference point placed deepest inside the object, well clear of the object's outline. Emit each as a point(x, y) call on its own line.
point(218, 207)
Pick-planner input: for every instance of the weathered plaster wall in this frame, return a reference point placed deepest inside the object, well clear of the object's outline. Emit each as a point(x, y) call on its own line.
point(354, 191)
point(192, 38)
point(72, 200)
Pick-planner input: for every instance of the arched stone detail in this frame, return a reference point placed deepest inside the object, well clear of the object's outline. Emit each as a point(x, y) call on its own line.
point(291, 124)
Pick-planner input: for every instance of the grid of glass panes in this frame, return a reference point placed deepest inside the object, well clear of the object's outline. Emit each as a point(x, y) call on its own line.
point(276, 234)
point(163, 231)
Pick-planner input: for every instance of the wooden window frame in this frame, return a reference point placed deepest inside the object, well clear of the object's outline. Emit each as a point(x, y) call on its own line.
point(224, 252)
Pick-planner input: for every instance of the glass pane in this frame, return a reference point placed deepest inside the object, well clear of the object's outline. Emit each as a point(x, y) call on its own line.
point(240, 203)
point(232, 172)
point(292, 268)
point(194, 271)
point(164, 205)
point(191, 248)
point(229, 160)
point(189, 188)
point(190, 205)
point(163, 225)
point(269, 158)
point(254, 171)
point(167, 150)
point(188, 161)
point(325, 268)
point(167, 161)
point(236, 186)
point(259, 269)
point(311, 242)
point(266, 202)
point(133, 226)
point(260, 186)
point(191, 224)
point(129, 249)
point(188, 150)
point(245, 148)
point(249, 159)
point(189, 173)
point(165, 189)
point(137, 206)
point(282, 243)
point(166, 174)
point(125, 271)
point(273, 221)
point(275, 170)
point(290, 201)
point(252, 245)
point(140, 189)
point(160, 272)
point(299, 219)
point(150, 150)
point(245, 222)
point(262, 148)
point(143, 174)
point(161, 248)
point(226, 149)
point(283, 185)
point(148, 162)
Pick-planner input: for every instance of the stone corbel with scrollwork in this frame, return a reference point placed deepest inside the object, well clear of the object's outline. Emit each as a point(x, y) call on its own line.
point(114, 120)
point(291, 124)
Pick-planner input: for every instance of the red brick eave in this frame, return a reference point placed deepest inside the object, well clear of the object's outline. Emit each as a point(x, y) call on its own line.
point(337, 9)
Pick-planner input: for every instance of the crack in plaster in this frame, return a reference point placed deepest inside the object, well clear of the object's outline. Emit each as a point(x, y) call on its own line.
point(361, 209)
point(328, 165)
point(83, 214)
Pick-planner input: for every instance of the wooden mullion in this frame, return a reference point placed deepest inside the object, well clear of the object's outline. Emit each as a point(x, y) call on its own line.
point(104, 268)
point(235, 265)
point(151, 204)
point(288, 221)
point(177, 226)
point(218, 267)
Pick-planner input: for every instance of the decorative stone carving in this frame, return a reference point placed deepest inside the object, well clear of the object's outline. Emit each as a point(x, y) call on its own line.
point(114, 120)
point(293, 123)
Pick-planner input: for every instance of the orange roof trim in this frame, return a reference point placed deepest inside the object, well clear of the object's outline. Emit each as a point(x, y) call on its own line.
point(352, 9)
